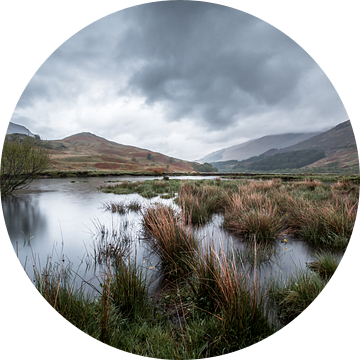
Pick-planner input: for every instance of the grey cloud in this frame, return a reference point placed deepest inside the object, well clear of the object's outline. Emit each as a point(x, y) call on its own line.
point(214, 65)
point(36, 90)
point(211, 62)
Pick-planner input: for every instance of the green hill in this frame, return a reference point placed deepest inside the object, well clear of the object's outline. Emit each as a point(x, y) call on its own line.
point(333, 151)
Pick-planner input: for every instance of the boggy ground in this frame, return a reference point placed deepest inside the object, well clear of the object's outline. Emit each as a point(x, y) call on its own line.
point(211, 304)
point(322, 214)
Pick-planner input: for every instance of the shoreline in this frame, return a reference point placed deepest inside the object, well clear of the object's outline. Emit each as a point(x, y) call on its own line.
point(284, 176)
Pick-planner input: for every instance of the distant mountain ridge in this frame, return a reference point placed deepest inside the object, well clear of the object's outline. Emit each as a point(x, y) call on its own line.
point(339, 137)
point(18, 129)
point(330, 150)
point(256, 147)
point(334, 150)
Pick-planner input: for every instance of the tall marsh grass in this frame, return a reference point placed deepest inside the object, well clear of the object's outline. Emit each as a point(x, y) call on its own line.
point(295, 294)
point(56, 283)
point(121, 207)
point(329, 223)
point(252, 215)
point(147, 189)
point(308, 209)
point(169, 239)
point(322, 214)
point(200, 202)
point(129, 288)
point(214, 303)
point(227, 292)
point(114, 244)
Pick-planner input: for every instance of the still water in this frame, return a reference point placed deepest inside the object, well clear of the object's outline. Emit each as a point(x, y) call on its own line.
point(59, 218)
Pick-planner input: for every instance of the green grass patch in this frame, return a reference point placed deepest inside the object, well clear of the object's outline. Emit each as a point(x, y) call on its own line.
point(324, 264)
point(147, 189)
point(171, 325)
point(294, 295)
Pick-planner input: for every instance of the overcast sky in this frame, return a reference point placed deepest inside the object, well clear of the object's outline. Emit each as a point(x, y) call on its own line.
point(181, 78)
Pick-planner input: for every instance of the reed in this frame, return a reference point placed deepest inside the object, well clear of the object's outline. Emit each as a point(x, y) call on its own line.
point(111, 244)
point(121, 207)
point(124, 316)
point(229, 294)
point(324, 264)
point(308, 184)
point(264, 185)
point(134, 205)
point(115, 207)
point(169, 239)
point(329, 223)
point(253, 215)
point(199, 202)
point(57, 285)
point(147, 189)
point(265, 253)
point(207, 272)
point(129, 289)
point(342, 184)
point(295, 294)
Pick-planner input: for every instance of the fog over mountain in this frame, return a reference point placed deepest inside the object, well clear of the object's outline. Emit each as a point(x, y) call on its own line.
point(329, 151)
point(256, 147)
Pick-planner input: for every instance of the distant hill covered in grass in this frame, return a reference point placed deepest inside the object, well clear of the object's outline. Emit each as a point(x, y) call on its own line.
point(288, 160)
point(86, 152)
point(331, 151)
point(256, 147)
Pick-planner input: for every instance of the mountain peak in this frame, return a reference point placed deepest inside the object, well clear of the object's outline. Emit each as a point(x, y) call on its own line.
point(83, 136)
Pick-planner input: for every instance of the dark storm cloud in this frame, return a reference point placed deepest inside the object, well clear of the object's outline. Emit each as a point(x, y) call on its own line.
point(210, 62)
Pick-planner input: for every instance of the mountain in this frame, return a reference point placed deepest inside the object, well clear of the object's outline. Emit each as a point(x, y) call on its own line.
point(18, 129)
point(338, 143)
point(89, 152)
point(256, 147)
point(339, 137)
point(331, 150)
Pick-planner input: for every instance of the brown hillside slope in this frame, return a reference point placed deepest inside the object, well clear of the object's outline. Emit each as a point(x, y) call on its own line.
point(88, 152)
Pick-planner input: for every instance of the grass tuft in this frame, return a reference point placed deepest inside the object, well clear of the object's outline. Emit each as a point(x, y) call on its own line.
point(296, 294)
point(324, 264)
point(169, 239)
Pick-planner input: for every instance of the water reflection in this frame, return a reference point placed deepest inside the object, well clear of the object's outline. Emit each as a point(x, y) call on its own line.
point(23, 218)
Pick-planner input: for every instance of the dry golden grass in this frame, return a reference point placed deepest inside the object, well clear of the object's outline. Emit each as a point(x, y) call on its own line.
point(253, 214)
point(264, 185)
point(199, 203)
point(169, 238)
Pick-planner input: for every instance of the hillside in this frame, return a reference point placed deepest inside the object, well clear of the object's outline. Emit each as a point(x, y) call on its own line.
point(338, 143)
point(88, 152)
point(256, 147)
point(334, 150)
point(339, 137)
point(281, 161)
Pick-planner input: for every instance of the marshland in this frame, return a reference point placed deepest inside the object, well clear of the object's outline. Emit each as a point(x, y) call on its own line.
point(181, 267)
